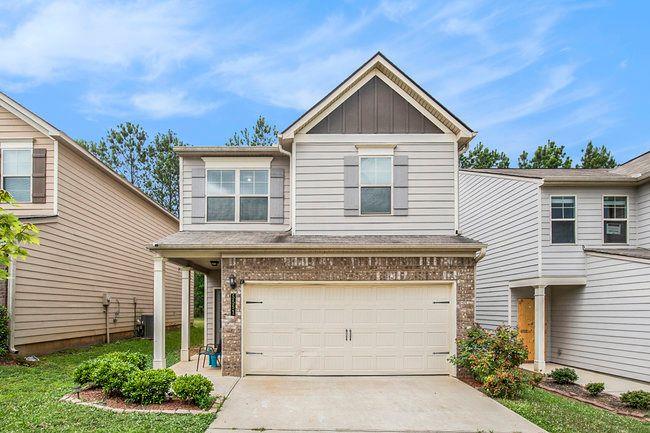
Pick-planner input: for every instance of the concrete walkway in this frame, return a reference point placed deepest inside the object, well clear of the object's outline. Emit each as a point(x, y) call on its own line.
point(613, 384)
point(222, 384)
point(364, 404)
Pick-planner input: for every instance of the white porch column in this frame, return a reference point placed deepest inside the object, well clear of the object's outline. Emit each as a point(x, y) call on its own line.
point(159, 360)
point(185, 314)
point(540, 328)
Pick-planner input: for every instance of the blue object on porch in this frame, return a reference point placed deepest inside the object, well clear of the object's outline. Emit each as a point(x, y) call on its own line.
point(212, 360)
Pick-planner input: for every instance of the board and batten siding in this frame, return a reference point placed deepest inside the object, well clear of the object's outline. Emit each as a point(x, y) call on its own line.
point(190, 163)
point(504, 214)
point(320, 189)
point(643, 215)
point(96, 245)
point(604, 326)
point(13, 128)
point(569, 260)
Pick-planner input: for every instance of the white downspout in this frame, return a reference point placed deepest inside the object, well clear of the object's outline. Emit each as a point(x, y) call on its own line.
point(291, 174)
point(11, 302)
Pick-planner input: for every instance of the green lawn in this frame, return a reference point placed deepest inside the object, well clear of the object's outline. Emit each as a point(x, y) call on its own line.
point(29, 396)
point(557, 414)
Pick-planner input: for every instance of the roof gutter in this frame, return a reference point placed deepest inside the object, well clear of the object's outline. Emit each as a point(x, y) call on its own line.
point(322, 247)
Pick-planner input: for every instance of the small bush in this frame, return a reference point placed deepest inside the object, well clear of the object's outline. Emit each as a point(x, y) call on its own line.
point(4, 331)
point(111, 374)
point(564, 375)
point(83, 374)
point(195, 389)
point(636, 399)
point(137, 359)
point(148, 386)
point(595, 388)
point(508, 383)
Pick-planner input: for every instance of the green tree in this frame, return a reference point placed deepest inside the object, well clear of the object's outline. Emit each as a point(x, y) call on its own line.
point(127, 145)
point(161, 177)
point(14, 234)
point(549, 155)
point(483, 157)
point(101, 150)
point(596, 157)
point(199, 293)
point(263, 135)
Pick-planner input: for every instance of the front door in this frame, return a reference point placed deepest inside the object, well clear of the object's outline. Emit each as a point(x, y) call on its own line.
point(526, 324)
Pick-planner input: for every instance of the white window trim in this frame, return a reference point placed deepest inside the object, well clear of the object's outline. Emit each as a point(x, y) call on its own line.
point(18, 145)
point(237, 196)
point(237, 162)
point(392, 189)
point(378, 149)
point(574, 219)
point(626, 219)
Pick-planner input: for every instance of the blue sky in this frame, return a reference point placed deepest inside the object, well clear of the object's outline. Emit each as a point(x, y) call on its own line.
point(517, 72)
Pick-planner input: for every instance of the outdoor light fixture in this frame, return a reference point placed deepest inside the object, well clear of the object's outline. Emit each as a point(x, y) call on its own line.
point(232, 281)
point(214, 262)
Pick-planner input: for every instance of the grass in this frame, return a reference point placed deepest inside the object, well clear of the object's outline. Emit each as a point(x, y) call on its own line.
point(557, 414)
point(29, 396)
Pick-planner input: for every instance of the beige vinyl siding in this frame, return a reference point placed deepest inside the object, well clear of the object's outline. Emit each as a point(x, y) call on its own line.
point(190, 163)
point(604, 326)
point(13, 128)
point(643, 200)
point(502, 213)
point(569, 260)
point(96, 245)
point(319, 191)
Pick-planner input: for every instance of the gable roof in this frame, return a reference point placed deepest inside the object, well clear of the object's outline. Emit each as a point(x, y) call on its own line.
point(48, 129)
point(380, 63)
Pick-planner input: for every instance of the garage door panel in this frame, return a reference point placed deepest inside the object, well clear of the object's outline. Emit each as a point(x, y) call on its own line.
point(302, 330)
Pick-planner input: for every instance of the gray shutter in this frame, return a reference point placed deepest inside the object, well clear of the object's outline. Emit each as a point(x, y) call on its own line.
point(276, 196)
point(38, 175)
point(198, 195)
point(400, 185)
point(351, 185)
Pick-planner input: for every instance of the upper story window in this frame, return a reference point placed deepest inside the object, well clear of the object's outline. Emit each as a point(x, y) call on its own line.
point(17, 173)
point(563, 219)
point(237, 195)
point(615, 219)
point(375, 182)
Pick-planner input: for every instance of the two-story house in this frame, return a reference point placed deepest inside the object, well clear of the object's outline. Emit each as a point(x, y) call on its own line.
point(568, 261)
point(90, 278)
point(336, 251)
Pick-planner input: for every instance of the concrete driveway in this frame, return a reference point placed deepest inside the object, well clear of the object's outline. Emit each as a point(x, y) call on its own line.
point(368, 404)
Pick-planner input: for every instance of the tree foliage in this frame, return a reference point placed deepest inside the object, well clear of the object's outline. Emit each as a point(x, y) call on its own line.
point(549, 155)
point(14, 235)
point(127, 144)
point(161, 182)
point(483, 157)
point(263, 134)
point(596, 157)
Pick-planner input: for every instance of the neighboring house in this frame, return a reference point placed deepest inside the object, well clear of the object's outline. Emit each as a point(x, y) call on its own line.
point(94, 230)
point(334, 252)
point(568, 261)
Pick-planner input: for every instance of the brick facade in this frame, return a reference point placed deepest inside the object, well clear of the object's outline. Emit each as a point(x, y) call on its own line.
point(459, 269)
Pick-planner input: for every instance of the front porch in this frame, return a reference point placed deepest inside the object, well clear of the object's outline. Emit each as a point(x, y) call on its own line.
point(222, 384)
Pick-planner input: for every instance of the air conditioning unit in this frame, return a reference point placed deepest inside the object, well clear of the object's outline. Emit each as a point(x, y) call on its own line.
point(147, 325)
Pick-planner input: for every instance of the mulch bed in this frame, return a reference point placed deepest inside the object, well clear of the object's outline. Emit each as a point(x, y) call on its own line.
point(603, 400)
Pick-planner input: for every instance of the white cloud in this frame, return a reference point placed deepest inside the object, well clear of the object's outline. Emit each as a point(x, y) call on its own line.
point(168, 104)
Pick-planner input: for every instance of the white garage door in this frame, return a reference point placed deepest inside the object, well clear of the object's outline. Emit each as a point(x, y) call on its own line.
point(347, 328)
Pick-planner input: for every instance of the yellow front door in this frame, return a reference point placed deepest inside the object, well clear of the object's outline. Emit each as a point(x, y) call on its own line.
point(526, 324)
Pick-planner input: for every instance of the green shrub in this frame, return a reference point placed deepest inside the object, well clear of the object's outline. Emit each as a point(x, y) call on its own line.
point(148, 386)
point(83, 374)
point(137, 359)
point(4, 331)
point(194, 389)
point(636, 399)
point(595, 388)
point(508, 383)
point(111, 374)
point(564, 375)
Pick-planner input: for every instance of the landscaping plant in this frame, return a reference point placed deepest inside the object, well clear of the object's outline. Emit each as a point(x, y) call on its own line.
point(4, 332)
point(564, 375)
point(84, 372)
point(148, 386)
point(111, 374)
point(195, 389)
point(493, 359)
point(595, 388)
point(636, 399)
